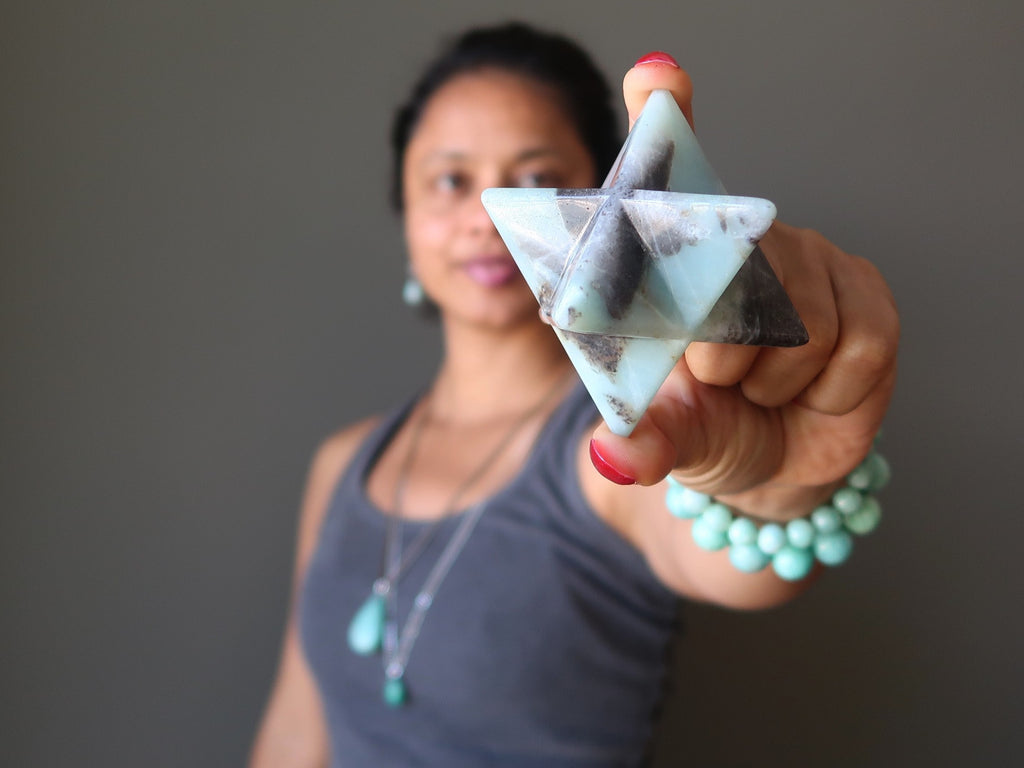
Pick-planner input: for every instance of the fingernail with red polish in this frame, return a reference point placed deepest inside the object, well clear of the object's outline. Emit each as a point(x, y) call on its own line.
point(607, 470)
point(657, 57)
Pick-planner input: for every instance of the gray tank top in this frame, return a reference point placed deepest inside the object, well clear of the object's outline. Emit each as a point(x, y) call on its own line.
point(546, 645)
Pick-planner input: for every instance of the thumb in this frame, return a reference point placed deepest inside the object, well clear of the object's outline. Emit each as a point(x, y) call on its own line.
point(711, 438)
point(652, 72)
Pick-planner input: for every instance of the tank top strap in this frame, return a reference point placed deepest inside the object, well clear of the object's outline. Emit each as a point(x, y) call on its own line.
point(574, 414)
point(353, 479)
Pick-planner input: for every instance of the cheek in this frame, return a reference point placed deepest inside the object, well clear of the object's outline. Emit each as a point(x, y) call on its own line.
point(426, 236)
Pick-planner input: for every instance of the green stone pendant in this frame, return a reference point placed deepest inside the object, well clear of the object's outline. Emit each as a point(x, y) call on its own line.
point(366, 631)
point(394, 692)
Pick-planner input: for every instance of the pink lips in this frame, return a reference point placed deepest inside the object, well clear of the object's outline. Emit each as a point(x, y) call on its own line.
point(491, 271)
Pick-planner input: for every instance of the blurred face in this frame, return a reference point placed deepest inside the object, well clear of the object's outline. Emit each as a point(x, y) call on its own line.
point(480, 130)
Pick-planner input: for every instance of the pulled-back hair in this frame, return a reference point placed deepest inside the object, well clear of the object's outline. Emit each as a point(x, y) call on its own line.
point(550, 59)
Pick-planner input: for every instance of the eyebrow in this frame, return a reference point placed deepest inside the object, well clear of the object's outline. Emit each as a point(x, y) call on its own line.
point(454, 154)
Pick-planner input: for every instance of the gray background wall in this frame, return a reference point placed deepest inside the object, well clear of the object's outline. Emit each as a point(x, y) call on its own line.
point(200, 279)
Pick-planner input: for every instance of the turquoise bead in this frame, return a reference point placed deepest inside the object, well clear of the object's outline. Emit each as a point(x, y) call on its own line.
point(394, 692)
point(366, 630)
point(707, 537)
point(771, 538)
point(683, 502)
point(865, 519)
point(833, 548)
point(880, 472)
point(717, 517)
point(826, 519)
point(748, 558)
point(847, 500)
point(860, 478)
point(742, 530)
point(825, 535)
point(792, 563)
point(800, 533)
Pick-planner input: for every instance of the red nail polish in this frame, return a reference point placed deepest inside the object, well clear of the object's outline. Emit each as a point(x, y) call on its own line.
point(607, 470)
point(657, 57)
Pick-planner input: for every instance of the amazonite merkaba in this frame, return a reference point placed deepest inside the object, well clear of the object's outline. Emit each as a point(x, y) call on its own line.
point(629, 274)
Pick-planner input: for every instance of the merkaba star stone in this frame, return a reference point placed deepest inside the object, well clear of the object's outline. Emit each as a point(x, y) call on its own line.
point(629, 274)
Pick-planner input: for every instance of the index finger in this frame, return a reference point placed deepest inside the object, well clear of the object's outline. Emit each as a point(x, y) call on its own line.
point(653, 72)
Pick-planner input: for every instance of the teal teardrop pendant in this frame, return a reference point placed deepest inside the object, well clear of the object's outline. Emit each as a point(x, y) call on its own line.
point(366, 630)
point(394, 692)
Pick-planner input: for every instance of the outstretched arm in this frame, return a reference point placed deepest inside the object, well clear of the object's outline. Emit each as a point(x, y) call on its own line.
point(771, 432)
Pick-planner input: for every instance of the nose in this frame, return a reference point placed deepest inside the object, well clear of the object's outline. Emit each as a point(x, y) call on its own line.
point(477, 216)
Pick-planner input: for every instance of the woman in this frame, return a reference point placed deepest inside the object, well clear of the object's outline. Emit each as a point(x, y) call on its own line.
point(550, 592)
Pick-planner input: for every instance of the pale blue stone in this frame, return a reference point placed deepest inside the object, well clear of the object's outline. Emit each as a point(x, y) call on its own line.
point(800, 532)
point(707, 537)
point(694, 246)
point(792, 563)
point(871, 475)
point(880, 472)
point(684, 502)
point(771, 538)
point(661, 117)
point(743, 530)
point(748, 558)
point(847, 500)
point(366, 630)
point(826, 519)
point(412, 292)
point(625, 306)
point(865, 519)
point(640, 366)
point(718, 517)
point(860, 477)
point(833, 548)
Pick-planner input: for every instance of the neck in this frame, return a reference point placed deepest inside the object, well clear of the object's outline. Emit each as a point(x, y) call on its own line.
point(487, 375)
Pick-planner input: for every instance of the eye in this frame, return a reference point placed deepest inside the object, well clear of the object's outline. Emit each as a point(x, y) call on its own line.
point(536, 179)
point(450, 181)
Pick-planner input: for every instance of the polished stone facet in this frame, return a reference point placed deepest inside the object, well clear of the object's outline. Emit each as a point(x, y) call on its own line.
point(629, 274)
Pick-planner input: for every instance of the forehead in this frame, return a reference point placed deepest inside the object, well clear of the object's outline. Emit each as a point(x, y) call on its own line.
point(491, 109)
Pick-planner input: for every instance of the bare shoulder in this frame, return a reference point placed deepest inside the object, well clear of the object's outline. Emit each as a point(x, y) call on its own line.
point(336, 451)
point(331, 459)
point(293, 731)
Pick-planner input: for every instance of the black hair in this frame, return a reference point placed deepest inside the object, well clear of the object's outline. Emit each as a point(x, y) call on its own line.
point(548, 58)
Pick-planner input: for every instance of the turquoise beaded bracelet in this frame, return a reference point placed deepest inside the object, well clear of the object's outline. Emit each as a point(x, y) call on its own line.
point(825, 535)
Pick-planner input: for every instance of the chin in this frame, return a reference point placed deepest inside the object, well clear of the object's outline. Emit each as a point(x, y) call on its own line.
point(497, 314)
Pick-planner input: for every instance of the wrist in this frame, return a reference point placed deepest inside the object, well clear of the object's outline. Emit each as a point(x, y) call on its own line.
point(779, 503)
point(791, 542)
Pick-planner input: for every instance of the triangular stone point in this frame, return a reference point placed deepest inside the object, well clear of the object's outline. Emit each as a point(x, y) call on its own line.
point(630, 273)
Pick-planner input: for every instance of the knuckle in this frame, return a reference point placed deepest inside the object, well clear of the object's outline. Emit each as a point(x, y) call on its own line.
point(814, 239)
point(766, 394)
point(811, 244)
point(873, 281)
point(781, 378)
point(829, 403)
point(871, 353)
point(715, 365)
point(716, 377)
point(866, 268)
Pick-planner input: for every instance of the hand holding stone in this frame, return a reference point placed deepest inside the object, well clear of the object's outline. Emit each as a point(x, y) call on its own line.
point(769, 428)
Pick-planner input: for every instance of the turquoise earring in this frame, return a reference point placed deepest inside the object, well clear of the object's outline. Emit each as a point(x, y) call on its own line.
point(412, 291)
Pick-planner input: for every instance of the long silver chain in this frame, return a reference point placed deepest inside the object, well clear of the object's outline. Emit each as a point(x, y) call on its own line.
point(398, 643)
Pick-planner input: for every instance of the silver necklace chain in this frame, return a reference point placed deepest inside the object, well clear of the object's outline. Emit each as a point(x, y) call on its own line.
point(398, 643)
